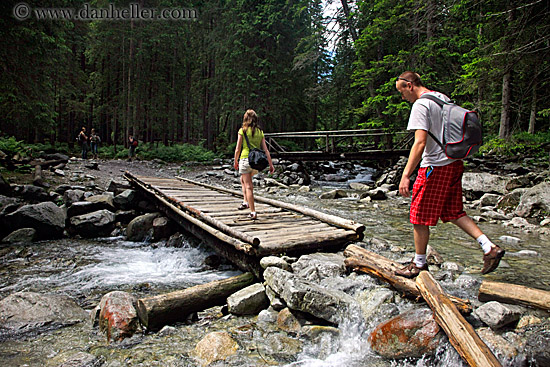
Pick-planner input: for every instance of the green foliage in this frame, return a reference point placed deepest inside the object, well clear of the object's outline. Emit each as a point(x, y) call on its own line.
point(518, 144)
point(173, 153)
point(12, 146)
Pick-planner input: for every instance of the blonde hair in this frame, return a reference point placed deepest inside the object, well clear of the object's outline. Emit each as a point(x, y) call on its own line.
point(250, 119)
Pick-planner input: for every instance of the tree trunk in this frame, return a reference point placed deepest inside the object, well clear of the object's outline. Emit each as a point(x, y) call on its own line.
point(514, 294)
point(155, 312)
point(461, 334)
point(347, 14)
point(504, 130)
point(533, 115)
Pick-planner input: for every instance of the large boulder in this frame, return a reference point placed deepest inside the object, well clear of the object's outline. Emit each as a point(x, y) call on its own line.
point(103, 201)
point(25, 312)
point(96, 224)
point(20, 235)
point(118, 316)
point(248, 301)
point(318, 266)
point(141, 227)
point(302, 295)
point(125, 200)
point(215, 346)
point(534, 199)
point(47, 218)
point(71, 196)
point(31, 193)
point(476, 184)
point(409, 335)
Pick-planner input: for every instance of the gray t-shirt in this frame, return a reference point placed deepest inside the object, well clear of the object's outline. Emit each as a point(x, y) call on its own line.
point(426, 115)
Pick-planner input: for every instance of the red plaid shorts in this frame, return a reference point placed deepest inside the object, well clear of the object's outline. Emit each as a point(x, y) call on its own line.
point(438, 196)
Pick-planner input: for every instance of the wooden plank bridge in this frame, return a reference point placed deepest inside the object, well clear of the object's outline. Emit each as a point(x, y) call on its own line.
point(211, 213)
point(337, 145)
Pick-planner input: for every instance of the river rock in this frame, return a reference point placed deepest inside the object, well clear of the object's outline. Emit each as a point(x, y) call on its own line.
point(31, 193)
point(47, 218)
point(537, 343)
point(290, 321)
point(300, 294)
point(477, 184)
point(510, 201)
point(318, 266)
point(162, 228)
point(140, 227)
point(79, 359)
point(215, 346)
point(333, 194)
point(371, 301)
point(103, 201)
point(409, 335)
point(117, 187)
point(496, 315)
point(8, 204)
point(118, 316)
point(489, 199)
point(79, 208)
point(505, 351)
point(5, 187)
point(534, 199)
point(20, 235)
point(248, 301)
point(24, 312)
point(276, 261)
point(72, 196)
point(96, 224)
point(125, 200)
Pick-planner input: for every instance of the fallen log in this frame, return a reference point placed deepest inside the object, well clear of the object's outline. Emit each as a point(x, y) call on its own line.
point(158, 311)
point(461, 334)
point(514, 294)
point(359, 259)
point(37, 177)
point(46, 164)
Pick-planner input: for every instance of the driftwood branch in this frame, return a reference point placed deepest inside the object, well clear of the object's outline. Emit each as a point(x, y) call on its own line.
point(514, 294)
point(383, 268)
point(461, 334)
point(156, 312)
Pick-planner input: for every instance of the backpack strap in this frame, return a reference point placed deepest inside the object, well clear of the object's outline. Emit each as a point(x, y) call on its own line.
point(246, 138)
point(440, 102)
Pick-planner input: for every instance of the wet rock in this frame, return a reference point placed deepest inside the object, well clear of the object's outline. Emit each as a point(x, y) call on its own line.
point(276, 261)
point(534, 199)
point(79, 359)
point(125, 216)
point(31, 193)
point(489, 199)
point(333, 194)
point(537, 343)
point(372, 300)
point(25, 312)
point(248, 301)
point(505, 351)
point(375, 194)
point(125, 200)
point(359, 186)
point(47, 218)
point(20, 235)
point(72, 196)
point(409, 335)
point(118, 317)
point(140, 227)
point(280, 347)
point(96, 224)
point(510, 201)
point(496, 314)
point(215, 346)
point(290, 321)
point(299, 294)
point(162, 228)
point(8, 204)
point(274, 300)
point(318, 266)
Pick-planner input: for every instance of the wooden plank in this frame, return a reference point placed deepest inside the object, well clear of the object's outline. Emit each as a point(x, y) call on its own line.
point(341, 222)
point(461, 334)
point(253, 225)
point(333, 240)
point(292, 231)
point(360, 259)
point(235, 212)
point(514, 294)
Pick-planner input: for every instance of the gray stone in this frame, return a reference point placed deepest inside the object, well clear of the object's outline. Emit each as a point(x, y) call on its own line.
point(299, 294)
point(505, 351)
point(510, 201)
point(359, 186)
point(534, 199)
point(47, 218)
point(248, 301)
point(103, 201)
point(318, 266)
point(496, 315)
point(276, 261)
point(372, 300)
point(20, 235)
point(489, 199)
point(80, 359)
point(125, 200)
point(140, 227)
point(333, 194)
point(71, 196)
point(479, 183)
point(162, 228)
point(96, 224)
point(24, 312)
point(80, 207)
point(274, 300)
point(215, 346)
point(31, 193)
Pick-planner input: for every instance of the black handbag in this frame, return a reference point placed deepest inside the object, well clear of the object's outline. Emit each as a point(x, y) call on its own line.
point(257, 158)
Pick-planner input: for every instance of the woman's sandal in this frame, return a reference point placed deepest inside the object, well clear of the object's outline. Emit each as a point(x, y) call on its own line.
point(253, 216)
point(243, 206)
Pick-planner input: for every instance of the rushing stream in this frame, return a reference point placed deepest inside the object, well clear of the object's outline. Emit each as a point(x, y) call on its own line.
point(87, 269)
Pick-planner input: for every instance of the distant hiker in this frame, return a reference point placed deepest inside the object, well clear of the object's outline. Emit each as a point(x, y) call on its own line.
point(437, 191)
point(83, 141)
point(132, 144)
point(94, 143)
point(256, 138)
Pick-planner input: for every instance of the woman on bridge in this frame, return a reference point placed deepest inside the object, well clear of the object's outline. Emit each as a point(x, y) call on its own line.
point(256, 139)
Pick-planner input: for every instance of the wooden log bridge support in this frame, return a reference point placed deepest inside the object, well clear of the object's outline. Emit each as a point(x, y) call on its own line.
point(158, 311)
point(461, 334)
point(359, 259)
point(514, 294)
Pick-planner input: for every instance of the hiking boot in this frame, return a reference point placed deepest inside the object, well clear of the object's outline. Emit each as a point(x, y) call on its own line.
point(411, 271)
point(492, 259)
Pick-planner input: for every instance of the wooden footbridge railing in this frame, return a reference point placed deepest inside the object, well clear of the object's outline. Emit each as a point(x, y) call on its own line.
point(211, 214)
point(342, 144)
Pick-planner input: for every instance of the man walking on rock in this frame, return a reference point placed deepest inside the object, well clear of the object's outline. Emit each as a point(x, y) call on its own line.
point(437, 191)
